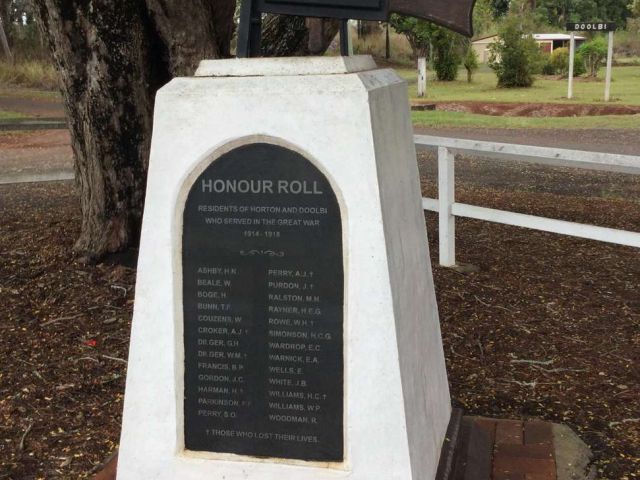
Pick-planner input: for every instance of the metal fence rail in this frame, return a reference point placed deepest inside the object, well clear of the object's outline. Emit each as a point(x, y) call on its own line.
point(448, 208)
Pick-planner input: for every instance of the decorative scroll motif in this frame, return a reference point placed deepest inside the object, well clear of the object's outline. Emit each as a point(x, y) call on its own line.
point(269, 253)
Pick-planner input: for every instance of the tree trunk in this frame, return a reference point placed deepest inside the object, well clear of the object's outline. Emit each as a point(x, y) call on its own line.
point(297, 36)
point(111, 58)
point(5, 29)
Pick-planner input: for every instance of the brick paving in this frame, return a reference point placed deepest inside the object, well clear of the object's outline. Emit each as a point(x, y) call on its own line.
point(487, 449)
point(492, 449)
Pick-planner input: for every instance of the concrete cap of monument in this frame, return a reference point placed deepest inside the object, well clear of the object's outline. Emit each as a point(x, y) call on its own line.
point(285, 66)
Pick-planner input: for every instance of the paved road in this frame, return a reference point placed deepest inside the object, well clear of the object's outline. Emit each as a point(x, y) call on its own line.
point(38, 154)
point(24, 154)
point(33, 105)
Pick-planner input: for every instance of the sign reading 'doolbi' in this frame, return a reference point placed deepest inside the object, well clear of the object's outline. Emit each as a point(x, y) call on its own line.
point(263, 308)
point(591, 27)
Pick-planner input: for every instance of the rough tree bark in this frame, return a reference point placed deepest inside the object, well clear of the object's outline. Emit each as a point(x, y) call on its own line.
point(111, 58)
point(284, 36)
point(5, 29)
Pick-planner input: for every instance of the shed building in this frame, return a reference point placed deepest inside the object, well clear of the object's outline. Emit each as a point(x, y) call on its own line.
point(548, 43)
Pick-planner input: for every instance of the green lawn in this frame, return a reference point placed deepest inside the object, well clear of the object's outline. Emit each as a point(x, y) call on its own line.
point(457, 119)
point(625, 88)
point(5, 115)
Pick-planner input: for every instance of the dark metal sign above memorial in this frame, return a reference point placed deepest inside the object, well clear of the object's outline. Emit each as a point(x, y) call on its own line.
point(453, 14)
point(263, 294)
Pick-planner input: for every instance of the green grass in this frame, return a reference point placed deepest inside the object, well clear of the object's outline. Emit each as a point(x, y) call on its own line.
point(31, 74)
point(24, 92)
point(625, 88)
point(437, 119)
point(5, 115)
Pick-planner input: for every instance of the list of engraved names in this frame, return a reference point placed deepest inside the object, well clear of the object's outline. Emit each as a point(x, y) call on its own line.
point(263, 294)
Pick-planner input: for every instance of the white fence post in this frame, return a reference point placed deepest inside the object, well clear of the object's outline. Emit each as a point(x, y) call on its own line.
point(422, 76)
point(572, 59)
point(607, 83)
point(446, 198)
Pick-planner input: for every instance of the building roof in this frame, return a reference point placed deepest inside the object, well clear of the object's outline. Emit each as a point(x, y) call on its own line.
point(537, 36)
point(555, 36)
point(486, 37)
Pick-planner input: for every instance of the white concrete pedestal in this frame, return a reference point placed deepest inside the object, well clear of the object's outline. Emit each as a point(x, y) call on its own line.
point(351, 120)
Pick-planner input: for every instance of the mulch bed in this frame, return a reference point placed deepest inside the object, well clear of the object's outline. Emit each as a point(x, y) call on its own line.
point(548, 327)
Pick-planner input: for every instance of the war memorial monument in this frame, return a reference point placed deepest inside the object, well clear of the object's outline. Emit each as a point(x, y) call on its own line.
point(285, 322)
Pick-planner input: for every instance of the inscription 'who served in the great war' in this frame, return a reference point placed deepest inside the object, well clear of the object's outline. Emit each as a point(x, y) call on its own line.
point(263, 308)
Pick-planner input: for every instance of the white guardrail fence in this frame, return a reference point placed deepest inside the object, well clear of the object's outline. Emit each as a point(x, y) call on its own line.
point(448, 208)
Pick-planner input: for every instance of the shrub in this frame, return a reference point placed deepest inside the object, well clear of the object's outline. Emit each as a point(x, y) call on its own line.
point(446, 66)
point(515, 57)
point(470, 62)
point(594, 54)
point(559, 62)
point(447, 46)
point(547, 67)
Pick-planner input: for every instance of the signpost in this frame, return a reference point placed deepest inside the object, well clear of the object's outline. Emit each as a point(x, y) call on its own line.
point(591, 27)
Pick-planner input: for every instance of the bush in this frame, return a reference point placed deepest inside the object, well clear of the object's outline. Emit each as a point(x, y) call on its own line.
point(446, 67)
point(559, 63)
point(594, 54)
point(447, 47)
point(515, 57)
point(470, 62)
point(547, 67)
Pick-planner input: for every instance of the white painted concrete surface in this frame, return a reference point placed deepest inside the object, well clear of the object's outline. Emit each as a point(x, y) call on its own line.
point(285, 66)
point(355, 127)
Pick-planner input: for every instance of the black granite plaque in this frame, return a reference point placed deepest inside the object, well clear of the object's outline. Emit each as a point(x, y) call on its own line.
point(263, 308)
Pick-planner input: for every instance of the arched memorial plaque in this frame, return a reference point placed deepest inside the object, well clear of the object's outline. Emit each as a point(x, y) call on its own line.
point(263, 295)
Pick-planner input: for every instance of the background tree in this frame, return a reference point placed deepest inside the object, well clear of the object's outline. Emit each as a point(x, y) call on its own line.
point(558, 12)
point(440, 45)
point(23, 34)
point(111, 58)
point(5, 29)
point(515, 56)
point(470, 62)
point(483, 18)
point(447, 57)
point(499, 8)
point(418, 33)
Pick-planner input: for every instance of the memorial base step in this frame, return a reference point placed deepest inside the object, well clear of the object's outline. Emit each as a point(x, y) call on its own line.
point(494, 449)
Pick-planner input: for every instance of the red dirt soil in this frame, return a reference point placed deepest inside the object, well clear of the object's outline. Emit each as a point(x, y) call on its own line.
point(535, 109)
